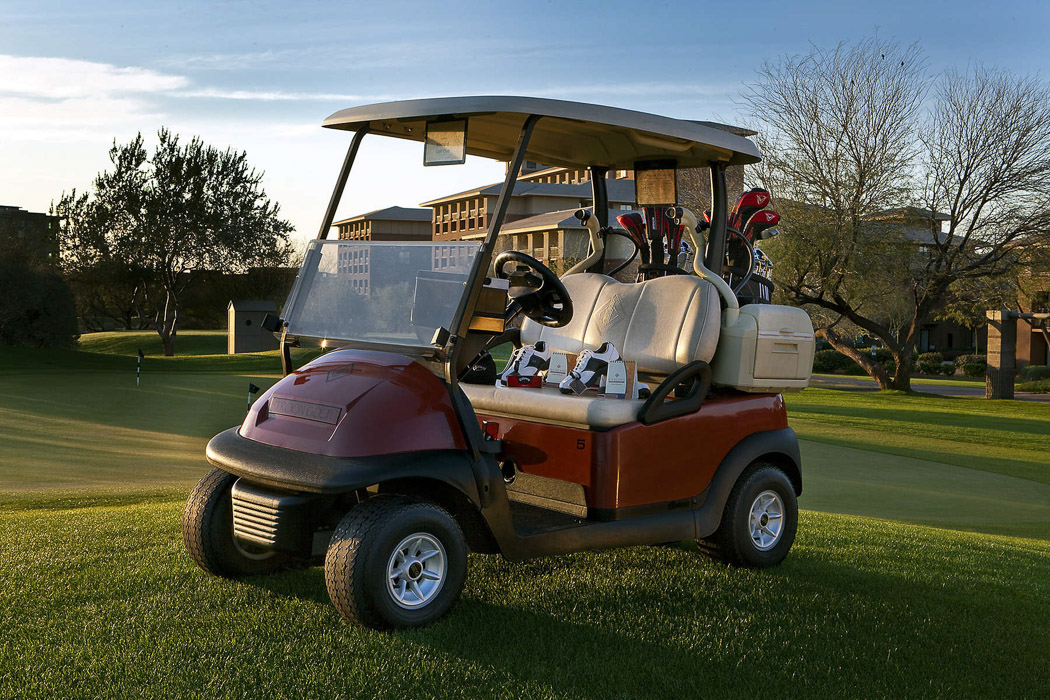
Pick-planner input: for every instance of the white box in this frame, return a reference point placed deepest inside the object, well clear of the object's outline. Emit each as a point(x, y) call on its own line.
point(769, 349)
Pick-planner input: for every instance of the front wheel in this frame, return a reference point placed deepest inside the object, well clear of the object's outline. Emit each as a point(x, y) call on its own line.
point(394, 563)
point(759, 522)
point(207, 530)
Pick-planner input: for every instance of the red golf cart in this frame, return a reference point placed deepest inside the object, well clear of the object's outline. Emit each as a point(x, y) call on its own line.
point(393, 456)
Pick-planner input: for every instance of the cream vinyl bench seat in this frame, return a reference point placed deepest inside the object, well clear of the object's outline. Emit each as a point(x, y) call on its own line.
point(661, 324)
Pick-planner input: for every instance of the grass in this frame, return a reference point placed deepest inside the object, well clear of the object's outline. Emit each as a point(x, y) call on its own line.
point(128, 343)
point(103, 602)
point(97, 597)
point(1003, 437)
point(915, 381)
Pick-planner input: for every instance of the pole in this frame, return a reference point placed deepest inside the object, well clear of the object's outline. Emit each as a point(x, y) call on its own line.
point(252, 390)
point(138, 368)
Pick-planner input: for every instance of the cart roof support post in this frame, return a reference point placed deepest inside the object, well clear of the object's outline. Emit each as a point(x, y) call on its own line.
point(716, 240)
point(476, 281)
point(340, 184)
point(600, 209)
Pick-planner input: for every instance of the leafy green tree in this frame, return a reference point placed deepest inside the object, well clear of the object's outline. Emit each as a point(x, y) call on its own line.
point(152, 220)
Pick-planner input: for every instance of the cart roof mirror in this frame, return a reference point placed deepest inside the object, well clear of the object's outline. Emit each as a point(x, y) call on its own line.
point(655, 183)
point(445, 143)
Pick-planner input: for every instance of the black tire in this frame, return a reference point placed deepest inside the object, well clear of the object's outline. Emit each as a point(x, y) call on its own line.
point(733, 543)
point(362, 546)
point(207, 530)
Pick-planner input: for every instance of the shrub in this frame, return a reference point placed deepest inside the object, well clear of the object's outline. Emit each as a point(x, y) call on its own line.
point(973, 365)
point(930, 362)
point(831, 361)
point(1040, 386)
point(1033, 373)
point(37, 308)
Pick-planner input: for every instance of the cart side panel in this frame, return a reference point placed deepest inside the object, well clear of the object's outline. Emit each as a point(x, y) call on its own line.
point(640, 465)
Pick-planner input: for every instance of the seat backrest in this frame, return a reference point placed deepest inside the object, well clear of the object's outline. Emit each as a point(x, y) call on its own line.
point(662, 324)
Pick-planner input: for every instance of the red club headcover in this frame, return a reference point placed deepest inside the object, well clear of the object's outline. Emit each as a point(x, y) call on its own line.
point(749, 203)
point(759, 222)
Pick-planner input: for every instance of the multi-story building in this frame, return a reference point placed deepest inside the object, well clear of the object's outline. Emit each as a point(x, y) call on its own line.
point(390, 224)
point(31, 234)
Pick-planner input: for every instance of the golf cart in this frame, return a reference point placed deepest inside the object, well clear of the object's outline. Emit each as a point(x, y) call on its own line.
point(391, 457)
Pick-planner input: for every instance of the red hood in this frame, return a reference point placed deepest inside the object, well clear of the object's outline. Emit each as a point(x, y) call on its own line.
point(355, 403)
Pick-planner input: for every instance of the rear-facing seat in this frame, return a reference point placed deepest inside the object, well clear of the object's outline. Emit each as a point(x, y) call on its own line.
point(661, 324)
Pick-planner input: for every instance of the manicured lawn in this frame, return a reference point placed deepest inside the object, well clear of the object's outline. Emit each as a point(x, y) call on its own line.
point(102, 602)
point(129, 343)
point(97, 597)
point(1004, 437)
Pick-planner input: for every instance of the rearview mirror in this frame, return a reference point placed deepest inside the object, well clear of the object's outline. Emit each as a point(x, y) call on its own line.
point(445, 143)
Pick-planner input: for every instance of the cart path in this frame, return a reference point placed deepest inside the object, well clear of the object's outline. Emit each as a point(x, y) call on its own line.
point(861, 482)
point(845, 383)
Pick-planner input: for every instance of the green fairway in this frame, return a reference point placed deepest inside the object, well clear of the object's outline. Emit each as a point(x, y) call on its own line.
point(98, 429)
point(861, 482)
point(129, 343)
point(98, 598)
point(1004, 437)
point(104, 602)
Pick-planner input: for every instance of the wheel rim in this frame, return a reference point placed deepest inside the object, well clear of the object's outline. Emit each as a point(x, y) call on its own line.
point(416, 570)
point(766, 520)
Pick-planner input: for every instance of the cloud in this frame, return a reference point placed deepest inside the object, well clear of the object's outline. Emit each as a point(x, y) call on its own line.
point(62, 78)
point(277, 95)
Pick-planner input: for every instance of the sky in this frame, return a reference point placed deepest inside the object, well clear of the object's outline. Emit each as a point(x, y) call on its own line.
point(262, 76)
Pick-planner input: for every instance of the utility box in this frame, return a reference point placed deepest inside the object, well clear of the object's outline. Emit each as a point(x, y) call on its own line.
point(245, 327)
point(770, 349)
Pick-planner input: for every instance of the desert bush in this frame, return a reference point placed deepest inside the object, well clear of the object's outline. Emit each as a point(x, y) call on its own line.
point(929, 362)
point(1039, 386)
point(832, 361)
point(1033, 373)
point(972, 365)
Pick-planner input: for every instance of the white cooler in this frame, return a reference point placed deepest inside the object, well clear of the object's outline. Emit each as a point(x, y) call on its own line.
point(768, 350)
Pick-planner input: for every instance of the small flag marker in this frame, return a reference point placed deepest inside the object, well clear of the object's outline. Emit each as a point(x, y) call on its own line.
point(138, 368)
point(252, 391)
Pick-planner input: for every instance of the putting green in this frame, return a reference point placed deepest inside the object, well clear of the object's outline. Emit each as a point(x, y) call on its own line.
point(859, 482)
point(98, 430)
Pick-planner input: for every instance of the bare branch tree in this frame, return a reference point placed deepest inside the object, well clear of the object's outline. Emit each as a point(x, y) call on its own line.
point(850, 149)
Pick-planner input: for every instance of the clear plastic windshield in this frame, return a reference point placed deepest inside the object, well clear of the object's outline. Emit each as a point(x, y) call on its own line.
point(389, 293)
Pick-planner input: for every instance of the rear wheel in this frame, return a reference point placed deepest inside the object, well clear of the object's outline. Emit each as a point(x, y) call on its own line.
point(759, 522)
point(394, 562)
point(207, 530)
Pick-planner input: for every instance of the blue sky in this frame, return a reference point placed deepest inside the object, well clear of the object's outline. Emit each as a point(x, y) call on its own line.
point(261, 76)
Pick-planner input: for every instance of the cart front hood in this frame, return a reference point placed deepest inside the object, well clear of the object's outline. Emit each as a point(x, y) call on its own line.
point(356, 403)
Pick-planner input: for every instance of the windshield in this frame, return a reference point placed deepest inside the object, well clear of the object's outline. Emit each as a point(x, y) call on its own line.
point(391, 293)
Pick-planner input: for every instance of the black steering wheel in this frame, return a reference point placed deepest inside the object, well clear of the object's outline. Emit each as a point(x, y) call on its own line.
point(535, 289)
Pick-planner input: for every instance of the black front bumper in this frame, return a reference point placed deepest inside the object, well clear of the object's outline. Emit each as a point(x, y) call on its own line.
point(292, 470)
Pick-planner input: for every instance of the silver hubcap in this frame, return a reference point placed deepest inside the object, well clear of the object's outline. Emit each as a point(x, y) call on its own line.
point(766, 520)
point(416, 570)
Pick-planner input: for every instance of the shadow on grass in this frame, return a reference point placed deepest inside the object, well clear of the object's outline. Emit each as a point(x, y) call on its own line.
point(662, 622)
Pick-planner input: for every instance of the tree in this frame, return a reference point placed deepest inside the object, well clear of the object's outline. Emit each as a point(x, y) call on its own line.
point(36, 307)
point(891, 210)
point(155, 220)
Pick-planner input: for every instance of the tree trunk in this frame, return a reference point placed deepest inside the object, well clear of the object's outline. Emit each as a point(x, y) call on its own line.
point(869, 364)
point(902, 359)
point(167, 325)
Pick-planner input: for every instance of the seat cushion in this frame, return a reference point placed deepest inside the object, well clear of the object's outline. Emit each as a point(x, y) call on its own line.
point(549, 405)
point(661, 324)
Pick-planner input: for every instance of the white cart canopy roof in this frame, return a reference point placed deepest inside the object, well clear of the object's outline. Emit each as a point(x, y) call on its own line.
point(571, 134)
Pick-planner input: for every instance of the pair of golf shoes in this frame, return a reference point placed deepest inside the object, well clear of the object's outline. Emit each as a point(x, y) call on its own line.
point(529, 364)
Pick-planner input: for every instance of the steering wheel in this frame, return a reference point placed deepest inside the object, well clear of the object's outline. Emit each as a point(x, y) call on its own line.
point(535, 288)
